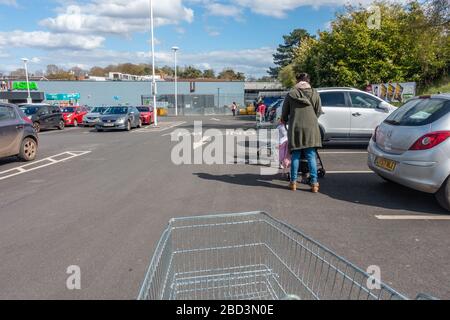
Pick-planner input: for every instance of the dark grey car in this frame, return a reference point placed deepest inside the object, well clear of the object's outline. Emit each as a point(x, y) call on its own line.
point(44, 116)
point(17, 135)
point(119, 118)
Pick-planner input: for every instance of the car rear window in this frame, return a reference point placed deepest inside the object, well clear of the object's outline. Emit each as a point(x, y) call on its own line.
point(333, 99)
point(29, 111)
point(7, 113)
point(68, 110)
point(419, 112)
point(143, 109)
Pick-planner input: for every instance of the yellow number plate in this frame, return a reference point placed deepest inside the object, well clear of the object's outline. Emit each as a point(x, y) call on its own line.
point(385, 164)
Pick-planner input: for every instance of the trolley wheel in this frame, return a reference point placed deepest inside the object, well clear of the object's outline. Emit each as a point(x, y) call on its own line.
point(321, 173)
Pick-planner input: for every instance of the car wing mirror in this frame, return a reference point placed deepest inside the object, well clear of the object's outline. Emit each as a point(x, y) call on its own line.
point(384, 106)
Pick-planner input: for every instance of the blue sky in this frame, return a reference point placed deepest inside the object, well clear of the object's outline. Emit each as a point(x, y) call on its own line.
point(241, 34)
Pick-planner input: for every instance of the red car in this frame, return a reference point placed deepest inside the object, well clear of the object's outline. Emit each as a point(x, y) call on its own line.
point(73, 115)
point(146, 114)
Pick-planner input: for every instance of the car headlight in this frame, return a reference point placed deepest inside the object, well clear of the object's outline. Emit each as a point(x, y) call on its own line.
point(121, 120)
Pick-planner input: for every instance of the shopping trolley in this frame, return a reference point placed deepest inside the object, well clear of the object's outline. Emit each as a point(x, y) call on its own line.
point(250, 256)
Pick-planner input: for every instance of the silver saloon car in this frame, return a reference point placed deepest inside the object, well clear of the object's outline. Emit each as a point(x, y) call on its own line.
point(412, 146)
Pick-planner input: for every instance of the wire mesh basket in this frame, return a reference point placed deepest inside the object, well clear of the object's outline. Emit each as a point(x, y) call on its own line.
point(250, 256)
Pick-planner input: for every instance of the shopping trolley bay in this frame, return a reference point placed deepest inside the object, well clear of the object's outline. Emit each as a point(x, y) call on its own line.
point(114, 217)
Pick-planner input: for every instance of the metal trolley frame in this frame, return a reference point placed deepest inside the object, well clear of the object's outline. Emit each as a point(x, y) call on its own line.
point(250, 256)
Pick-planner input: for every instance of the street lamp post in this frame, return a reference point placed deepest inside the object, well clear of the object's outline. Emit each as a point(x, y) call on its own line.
point(175, 49)
point(154, 88)
point(25, 62)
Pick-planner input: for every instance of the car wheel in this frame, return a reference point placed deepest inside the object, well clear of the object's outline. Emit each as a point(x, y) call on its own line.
point(28, 149)
point(61, 125)
point(140, 123)
point(75, 123)
point(37, 127)
point(443, 195)
point(128, 128)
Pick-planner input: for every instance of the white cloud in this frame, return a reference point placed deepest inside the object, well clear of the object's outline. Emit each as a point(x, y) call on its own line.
point(48, 40)
point(219, 9)
point(250, 61)
point(213, 32)
point(117, 16)
point(9, 2)
point(279, 8)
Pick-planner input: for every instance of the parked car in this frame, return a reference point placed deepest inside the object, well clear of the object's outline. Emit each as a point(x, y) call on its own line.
point(349, 115)
point(272, 110)
point(412, 147)
point(119, 118)
point(73, 115)
point(43, 116)
point(93, 116)
point(146, 114)
point(17, 135)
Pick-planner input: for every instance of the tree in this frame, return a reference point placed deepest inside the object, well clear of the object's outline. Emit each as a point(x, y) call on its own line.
point(287, 76)
point(285, 52)
point(190, 72)
point(406, 47)
point(52, 69)
point(230, 74)
point(97, 72)
point(167, 71)
point(209, 74)
point(18, 73)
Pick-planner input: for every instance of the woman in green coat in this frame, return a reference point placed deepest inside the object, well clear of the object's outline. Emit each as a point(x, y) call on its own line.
point(301, 110)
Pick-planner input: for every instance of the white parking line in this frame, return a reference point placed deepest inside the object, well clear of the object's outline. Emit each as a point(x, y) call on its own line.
point(343, 152)
point(160, 129)
point(353, 171)
point(41, 163)
point(412, 217)
point(204, 140)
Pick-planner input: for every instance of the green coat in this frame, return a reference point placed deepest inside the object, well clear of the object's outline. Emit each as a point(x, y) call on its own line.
point(301, 110)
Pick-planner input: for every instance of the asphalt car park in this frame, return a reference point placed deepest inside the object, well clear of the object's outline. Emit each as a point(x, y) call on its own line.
point(101, 201)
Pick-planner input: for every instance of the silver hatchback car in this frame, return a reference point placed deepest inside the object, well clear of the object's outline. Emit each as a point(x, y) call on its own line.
point(412, 146)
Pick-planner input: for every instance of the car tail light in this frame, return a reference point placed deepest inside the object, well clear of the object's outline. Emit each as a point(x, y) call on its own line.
point(430, 140)
point(26, 119)
point(374, 137)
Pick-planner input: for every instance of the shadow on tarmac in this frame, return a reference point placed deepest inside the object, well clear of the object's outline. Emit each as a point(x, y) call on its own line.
point(365, 189)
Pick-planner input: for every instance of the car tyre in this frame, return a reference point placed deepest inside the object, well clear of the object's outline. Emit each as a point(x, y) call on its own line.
point(37, 127)
point(140, 123)
point(128, 128)
point(28, 149)
point(443, 195)
point(61, 125)
point(75, 123)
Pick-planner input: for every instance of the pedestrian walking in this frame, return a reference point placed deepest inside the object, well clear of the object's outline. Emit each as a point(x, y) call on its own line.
point(301, 110)
point(234, 108)
point(261, 111)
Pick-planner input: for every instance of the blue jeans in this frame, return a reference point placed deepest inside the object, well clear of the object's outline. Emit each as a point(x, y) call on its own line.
point(310, 154)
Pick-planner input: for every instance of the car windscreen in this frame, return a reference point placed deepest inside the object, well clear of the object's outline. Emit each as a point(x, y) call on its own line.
point(116, 110)
point(68, 110)
point(29, 111)
point(419, 112)
point(143, 109)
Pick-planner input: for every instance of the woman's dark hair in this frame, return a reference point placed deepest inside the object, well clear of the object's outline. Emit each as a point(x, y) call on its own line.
point(303, 77)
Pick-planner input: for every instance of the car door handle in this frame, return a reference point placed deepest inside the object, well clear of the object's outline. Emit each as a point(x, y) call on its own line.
point(356, 114)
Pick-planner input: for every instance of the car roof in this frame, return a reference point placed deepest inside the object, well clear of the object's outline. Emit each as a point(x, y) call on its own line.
point(34, 105)
point(338, 89)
